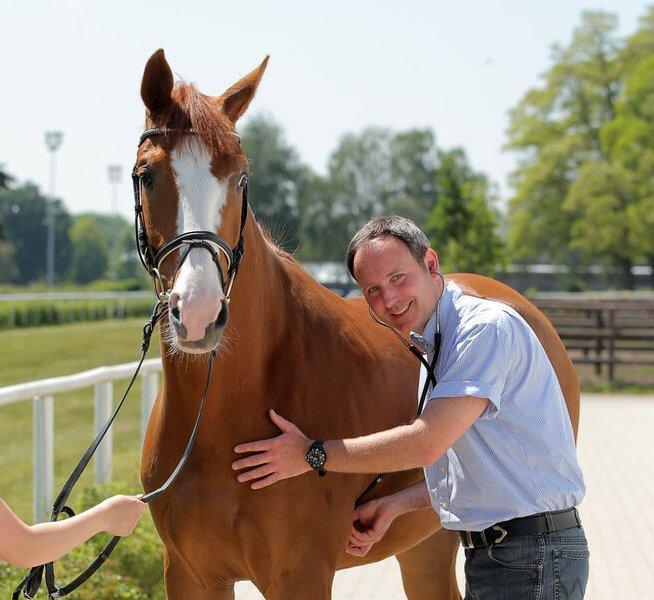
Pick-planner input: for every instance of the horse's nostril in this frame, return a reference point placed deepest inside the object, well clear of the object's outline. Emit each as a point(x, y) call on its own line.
point(175, 312)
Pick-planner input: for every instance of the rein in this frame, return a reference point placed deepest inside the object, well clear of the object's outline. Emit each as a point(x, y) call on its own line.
point(151, 261)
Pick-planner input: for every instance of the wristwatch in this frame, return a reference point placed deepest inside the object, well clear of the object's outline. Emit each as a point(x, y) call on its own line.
point(317, 457)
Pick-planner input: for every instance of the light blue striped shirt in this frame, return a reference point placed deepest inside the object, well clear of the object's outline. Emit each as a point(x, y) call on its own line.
point(519, 457)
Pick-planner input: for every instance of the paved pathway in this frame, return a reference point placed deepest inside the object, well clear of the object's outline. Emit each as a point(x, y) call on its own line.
point(617, 456)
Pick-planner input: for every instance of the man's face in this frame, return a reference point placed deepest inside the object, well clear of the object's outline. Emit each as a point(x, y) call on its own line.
point(401, 291)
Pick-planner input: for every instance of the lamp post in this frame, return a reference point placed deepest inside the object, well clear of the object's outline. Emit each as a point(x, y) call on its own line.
point(53, 140)
point(115, 173)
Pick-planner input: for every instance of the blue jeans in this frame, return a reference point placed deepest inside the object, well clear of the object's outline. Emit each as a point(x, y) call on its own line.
point(544, 566)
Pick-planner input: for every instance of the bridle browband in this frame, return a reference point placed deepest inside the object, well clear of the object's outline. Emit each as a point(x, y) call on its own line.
point(151, 261)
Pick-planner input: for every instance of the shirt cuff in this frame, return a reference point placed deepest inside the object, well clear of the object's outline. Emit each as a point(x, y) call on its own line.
point(454, 389)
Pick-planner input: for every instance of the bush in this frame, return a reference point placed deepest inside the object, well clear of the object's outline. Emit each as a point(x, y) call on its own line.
point(30, 313)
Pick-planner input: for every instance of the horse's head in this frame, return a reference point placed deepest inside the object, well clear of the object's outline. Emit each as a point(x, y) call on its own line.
point(190, 175)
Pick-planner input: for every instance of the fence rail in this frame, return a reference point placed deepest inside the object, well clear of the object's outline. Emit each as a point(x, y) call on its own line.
point(604, 332)
point(42, 392)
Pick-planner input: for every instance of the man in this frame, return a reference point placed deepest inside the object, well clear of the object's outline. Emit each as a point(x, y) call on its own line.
point(494, 438)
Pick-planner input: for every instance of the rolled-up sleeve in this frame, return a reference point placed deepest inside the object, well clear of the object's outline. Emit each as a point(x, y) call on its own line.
point(477, 366)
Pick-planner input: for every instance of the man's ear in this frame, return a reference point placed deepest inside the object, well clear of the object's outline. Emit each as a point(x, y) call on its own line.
point(431, 261)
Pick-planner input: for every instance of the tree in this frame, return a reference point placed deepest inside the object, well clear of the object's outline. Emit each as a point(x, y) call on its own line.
point(556, 130)
point(5, 178)
point(90, 250)
point(276, 174)
point(629, 138)
point(118, 233)
point(463, 225)
point(23, 212)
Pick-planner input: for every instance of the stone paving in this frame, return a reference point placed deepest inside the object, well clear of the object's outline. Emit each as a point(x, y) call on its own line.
point(617, 455)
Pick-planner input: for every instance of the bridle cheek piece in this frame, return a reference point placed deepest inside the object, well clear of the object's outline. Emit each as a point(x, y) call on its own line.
point(208, 240)
point(151, 261)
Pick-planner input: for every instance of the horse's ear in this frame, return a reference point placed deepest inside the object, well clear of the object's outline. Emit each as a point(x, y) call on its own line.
point(237, 98)
point(157, 83)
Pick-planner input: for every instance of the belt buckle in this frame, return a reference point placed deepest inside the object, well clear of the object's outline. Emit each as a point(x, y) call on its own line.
point(503, 533)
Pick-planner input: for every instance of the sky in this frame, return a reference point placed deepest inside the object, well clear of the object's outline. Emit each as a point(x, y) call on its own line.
point(337, 67)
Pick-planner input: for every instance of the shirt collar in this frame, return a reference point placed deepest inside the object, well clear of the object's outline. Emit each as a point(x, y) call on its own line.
point(426, 341)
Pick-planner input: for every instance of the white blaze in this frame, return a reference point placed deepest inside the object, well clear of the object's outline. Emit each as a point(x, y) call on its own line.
point(201, 199)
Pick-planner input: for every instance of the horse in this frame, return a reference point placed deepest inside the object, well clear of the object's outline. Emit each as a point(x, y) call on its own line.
point(280, 340)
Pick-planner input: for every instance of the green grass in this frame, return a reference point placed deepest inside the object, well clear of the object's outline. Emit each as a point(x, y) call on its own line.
point(30, 354)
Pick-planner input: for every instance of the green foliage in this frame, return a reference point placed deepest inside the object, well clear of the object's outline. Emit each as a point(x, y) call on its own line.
point(555, 129)
point(5, 178)
point(463, 224)
point(586, 145)
point(31, 313)
point(23, 212)
point(276, 175)
point(90, 250)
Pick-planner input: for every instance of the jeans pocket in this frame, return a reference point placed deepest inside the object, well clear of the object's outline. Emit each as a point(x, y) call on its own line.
point(521, 553)
point(570, 572)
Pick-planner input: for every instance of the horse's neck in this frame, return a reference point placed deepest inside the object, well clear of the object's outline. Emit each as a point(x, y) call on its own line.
point(260, 303)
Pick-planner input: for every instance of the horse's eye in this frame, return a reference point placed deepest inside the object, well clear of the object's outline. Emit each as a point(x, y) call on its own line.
point(147, 179)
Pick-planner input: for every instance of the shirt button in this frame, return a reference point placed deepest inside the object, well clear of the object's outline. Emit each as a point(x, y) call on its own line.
point(444, 504)
point(442, 470)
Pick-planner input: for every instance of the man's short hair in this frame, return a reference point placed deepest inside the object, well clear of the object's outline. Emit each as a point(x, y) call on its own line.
point(402, 228)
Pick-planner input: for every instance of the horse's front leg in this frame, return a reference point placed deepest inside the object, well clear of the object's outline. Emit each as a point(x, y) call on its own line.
point(310, 579)
point(182, 584)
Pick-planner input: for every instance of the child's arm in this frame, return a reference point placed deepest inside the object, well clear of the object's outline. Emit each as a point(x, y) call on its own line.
point(26, 546)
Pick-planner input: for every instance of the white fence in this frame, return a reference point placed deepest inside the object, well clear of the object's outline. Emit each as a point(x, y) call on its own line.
point(42, 392)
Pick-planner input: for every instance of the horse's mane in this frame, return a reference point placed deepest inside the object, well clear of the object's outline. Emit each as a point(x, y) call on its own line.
point(192, 109)
point(272, 244)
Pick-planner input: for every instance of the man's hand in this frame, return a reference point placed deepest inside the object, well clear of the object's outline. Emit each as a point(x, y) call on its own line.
point(371, 521)
point(277, 458)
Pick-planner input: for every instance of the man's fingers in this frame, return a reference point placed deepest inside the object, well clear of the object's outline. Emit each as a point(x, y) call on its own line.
point(364, 537)
point(256, 473)
point(262, 483)
point(281, 422)
point(258, 446)
point(357, 550)
point(251, 461)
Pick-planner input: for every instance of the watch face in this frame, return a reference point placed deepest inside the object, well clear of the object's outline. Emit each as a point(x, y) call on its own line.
point(316, 457)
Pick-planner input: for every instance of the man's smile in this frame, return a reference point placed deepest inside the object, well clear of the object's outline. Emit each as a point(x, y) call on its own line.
point(402, 311)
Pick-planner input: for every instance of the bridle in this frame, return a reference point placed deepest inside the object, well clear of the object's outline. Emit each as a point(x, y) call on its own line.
point(209, 240)
point(151, 261)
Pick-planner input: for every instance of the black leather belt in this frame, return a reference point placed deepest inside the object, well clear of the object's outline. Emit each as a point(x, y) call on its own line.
point(540, 523)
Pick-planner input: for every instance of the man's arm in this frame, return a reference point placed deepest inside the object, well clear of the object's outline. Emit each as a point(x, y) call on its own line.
point(419, 444)
point(372, 519)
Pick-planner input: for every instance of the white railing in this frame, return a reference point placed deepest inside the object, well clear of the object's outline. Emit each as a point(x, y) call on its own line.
point(41, 393)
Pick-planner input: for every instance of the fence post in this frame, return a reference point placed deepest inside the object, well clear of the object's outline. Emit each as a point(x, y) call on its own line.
point(103, 405)
point(149, 390)
point(42, 431)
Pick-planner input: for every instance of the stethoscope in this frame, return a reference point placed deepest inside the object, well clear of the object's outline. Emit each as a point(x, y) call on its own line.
point(415, 350)
point(429, 366)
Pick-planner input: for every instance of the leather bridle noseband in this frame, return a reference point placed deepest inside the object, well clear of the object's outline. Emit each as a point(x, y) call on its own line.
point(151, 261)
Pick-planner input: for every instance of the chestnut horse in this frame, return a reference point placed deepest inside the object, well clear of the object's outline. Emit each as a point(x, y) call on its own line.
point(288, 344)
